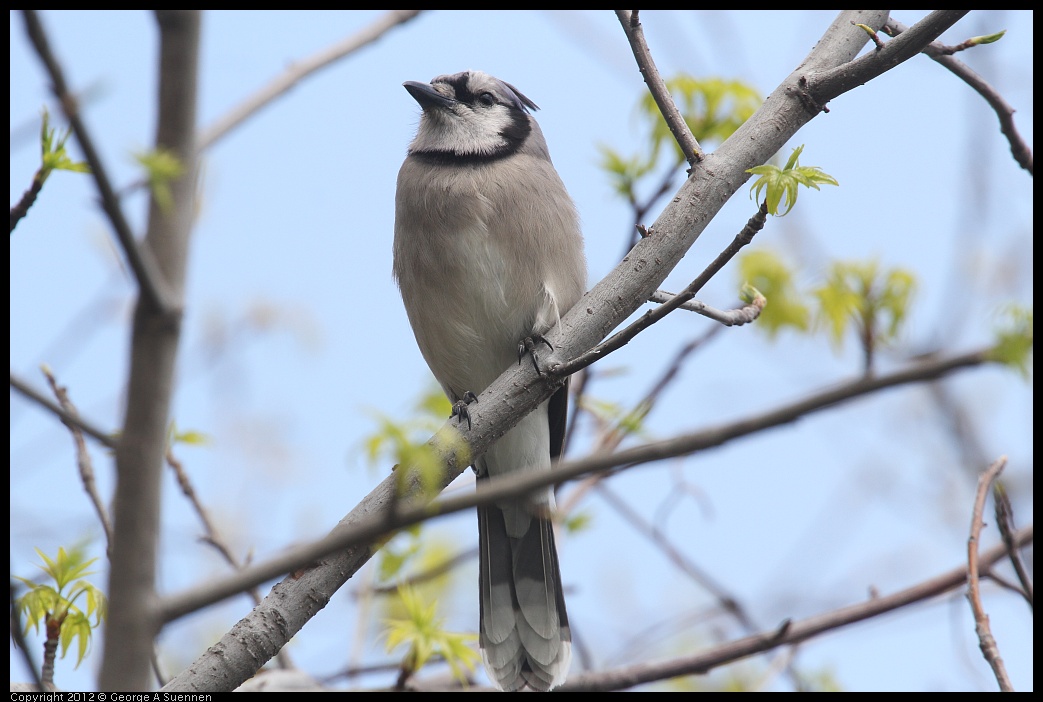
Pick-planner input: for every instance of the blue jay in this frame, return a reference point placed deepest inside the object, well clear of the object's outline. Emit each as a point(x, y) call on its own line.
point(487, 253)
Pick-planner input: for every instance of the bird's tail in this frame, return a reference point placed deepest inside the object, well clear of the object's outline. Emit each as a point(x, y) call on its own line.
point(524, 630)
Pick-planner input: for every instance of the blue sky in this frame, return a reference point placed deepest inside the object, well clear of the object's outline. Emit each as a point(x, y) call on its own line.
point(291, 270)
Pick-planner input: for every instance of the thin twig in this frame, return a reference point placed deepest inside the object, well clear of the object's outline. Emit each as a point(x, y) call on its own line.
point(299, 71)
point(623, 337)
point(678, 127)
point(1005, 521)
point(150, 281)
point(83, 460)
point(729, 318)
point(21, 208)
point(790, 632)
point(213, 536)
point(727, 601)
point(981, 620)
point(106, 439)
point(942, 54)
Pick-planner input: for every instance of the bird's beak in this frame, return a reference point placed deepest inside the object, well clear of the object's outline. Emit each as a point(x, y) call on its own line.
point(426, 95)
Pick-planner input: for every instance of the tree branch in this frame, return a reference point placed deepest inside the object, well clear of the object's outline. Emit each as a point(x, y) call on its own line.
point(150, 280)
point(981, 620)
point(69, 418)
point(825, 84)
point(298, 72)
point(153, 355)
point(1005, 520)
point(622, 338)
point(788, 633)
point(730, 318)
point(657, 87)
point(937, 51)
point(83, 461)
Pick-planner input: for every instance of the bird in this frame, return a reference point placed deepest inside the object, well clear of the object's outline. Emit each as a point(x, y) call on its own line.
point(488, 255)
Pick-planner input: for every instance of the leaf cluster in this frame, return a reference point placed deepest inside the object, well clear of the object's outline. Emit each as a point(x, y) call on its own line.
point(423, 633)
point(53, 154)
point(854, 296)
point(780, 184)
point(1014, 340)
point(53, 605)
point(406, 444)
point(713, 108)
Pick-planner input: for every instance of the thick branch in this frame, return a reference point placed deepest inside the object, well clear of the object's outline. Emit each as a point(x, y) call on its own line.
point(826, 84)
point(154, 342)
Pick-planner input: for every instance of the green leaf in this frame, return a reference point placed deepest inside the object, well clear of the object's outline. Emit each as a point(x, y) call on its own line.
point(52, 151)
point(623, 172)
point(192, 438)
point(779, 186)
point(422, 631)
point(768, 275)
point(987, 39)
point(43, 603)
point(162, 167)
point(713, 108)
point(1013, 345)
point(859, 296)
point(577, 521)
point(406, 444)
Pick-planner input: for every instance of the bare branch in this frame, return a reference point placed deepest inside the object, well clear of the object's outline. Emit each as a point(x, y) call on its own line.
point(623, 337)
point(21, 208)
point(83, 460)
point(1005, 519)
point(941, 54)
point(981, 620)
point(786, 634)
point(678, 127)
point(728, 602)
point(299, 71)
point(213, 536)
point(729, 318)
point(153, 355)
point(824, 85)
point(68, 418)
point(150, 281)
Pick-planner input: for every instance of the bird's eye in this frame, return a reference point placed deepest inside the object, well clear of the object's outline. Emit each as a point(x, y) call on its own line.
point(486, 99)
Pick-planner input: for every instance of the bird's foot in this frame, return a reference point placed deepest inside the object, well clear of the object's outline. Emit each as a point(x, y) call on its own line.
point(528, 346)
point(460, 408)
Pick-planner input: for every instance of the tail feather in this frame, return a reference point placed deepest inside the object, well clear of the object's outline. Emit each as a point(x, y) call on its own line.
point(524, 631)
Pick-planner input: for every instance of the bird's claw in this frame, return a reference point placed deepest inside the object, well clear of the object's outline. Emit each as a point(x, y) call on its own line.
point(460, 408)
point(528, 346)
